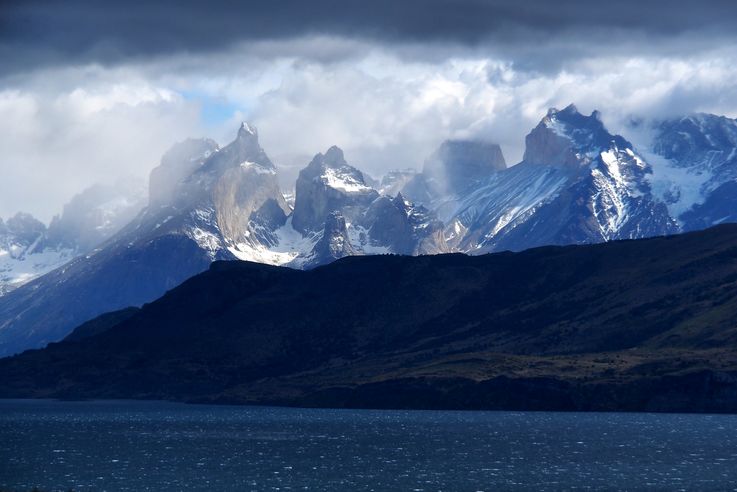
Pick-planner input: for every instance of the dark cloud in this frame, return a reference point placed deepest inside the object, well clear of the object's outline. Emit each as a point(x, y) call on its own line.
point(40, 33)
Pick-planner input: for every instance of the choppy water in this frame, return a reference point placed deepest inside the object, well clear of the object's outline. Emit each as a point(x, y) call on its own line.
point(164, 446)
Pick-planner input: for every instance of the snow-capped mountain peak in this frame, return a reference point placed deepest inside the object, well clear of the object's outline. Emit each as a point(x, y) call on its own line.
point(328, 183)
point(570, 139)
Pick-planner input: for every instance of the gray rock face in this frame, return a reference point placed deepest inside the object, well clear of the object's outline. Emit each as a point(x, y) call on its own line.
point(249, 203)
point(404, 228)
point(334, 244)
point(456, 167)
point(329, 184)
point(461, 164)
point(234, 191)
point(566, 138)
point(23, 229)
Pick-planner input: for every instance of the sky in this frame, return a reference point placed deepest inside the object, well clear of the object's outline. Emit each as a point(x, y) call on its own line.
point(92, 91)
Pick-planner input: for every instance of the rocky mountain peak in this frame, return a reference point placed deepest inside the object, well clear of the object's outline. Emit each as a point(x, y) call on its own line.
point(328, 184)
point(335, 242)
point(400, 201)
point(246, 147)
point(683, 138)
point(20, 235)
point(566, 138)
point(246, 130)
point(459, 164)
point(334, 157)
point(25, 227)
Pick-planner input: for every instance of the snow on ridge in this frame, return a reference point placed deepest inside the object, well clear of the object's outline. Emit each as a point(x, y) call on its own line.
point(289, 245)
point(258, 168)
point(359, 239)
point(680, 188)
point(342, 181)
point(17, 269)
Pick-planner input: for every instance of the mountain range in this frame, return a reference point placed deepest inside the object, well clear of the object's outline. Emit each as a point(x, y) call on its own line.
point(577, 184)
point(638, 325)
point(29, 249)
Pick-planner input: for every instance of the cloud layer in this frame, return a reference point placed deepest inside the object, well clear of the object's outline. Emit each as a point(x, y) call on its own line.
point(96, 91)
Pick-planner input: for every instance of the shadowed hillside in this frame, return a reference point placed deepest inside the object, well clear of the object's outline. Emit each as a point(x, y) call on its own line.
point(631, 325)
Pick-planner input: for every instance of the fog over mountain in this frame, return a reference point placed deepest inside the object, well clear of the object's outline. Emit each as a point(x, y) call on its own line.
point(88, 94)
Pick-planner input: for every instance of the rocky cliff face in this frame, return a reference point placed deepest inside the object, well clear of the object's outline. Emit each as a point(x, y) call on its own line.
point(250, 206)
point(334, 244)
point(456, 167)
point(328, 184)
point(404, 228)
point(567, 138)
point(462, 164)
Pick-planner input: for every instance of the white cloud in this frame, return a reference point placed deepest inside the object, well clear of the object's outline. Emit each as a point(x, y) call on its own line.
point(66, 128)
point(54, 145)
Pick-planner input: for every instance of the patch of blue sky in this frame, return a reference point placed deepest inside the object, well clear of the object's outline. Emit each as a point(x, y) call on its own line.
point(214, 111)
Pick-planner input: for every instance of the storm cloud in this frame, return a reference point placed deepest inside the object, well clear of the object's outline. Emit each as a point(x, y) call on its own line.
point(41, 33)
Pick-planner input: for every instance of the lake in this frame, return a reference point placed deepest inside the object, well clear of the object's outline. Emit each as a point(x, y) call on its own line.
point(130, 445)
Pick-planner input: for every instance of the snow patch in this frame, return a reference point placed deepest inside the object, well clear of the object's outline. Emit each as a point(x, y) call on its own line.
point(17, 269)
point(680, 188)
point(258, 168)
point(360, 240)
point(289, 245)
point(343, 181)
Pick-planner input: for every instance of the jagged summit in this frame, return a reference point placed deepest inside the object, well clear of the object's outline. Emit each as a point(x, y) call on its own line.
point(328, 183)
point(247, 129)
point(244, 150)
point(334, 156)
point(334, 244)
point(399, 200)
point(570, 139)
